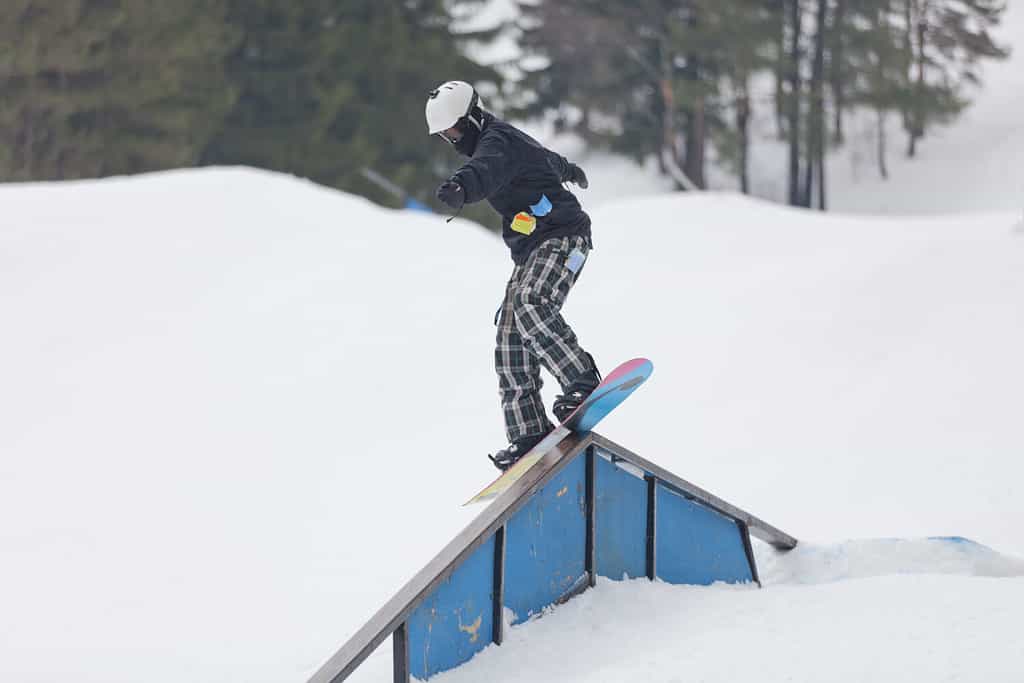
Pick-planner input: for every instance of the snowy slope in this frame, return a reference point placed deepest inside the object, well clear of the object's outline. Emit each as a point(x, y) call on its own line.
point(241, 410)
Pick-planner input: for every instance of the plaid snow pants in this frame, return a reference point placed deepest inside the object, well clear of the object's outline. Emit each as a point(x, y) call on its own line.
point(532, 333)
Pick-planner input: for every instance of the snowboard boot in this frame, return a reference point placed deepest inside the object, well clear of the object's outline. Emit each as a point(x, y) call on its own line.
point(575, 394)
point(507, 457)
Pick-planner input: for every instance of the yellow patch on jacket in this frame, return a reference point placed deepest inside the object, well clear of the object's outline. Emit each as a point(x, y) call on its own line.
point(524, 223)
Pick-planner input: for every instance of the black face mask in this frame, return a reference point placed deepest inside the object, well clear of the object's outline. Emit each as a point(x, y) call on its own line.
point(466, 145)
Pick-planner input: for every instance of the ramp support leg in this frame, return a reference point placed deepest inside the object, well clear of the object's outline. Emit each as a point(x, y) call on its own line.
point(498, 593)
point(748, 548)
point(652, 517)
point(591, 559)
point(400, 641)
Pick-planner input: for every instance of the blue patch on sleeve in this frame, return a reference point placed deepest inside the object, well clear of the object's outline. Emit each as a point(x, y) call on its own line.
point(542, 207)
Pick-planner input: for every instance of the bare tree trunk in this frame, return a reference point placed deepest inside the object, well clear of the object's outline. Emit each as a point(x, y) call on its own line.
point(822, 204)
point(807, 192)
point(743, 131)
point(30, 145)
point(816, 123)
point(668, 128)
point(696, 142)
point(781, 73)
point(918, 130)
point(795, 198)
point(917, 22)
point(909, 56)
point(668, 103)
point(838, 20)
point(882, 168)
point(696, 123)
point(27, 125)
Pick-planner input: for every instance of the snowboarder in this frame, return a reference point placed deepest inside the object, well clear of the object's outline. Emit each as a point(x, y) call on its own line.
point(548, 234)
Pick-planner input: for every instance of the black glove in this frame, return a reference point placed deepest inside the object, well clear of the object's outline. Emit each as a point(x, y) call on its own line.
point(452, 194)
point(576, 175)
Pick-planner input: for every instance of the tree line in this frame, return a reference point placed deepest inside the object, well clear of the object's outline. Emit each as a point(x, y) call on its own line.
point(674, 78)
point(324, 89)
point(333, 90)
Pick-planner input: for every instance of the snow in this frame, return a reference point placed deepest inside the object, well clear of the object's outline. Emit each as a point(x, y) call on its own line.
point(870, 610)
point(811, 563)
point(925, 628)
point(202, 476)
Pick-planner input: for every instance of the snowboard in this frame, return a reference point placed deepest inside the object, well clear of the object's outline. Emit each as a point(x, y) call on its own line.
point(620, 383)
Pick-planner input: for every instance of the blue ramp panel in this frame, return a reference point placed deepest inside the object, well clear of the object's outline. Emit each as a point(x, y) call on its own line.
point(545, 544)
point(695, 544)
point(455, 621)
point(620, 521)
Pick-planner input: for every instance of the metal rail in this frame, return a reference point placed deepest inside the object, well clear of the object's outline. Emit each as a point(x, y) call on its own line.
point(392, 617)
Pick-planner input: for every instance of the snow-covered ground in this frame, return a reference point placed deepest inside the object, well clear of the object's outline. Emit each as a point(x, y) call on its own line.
point(240, 410)
point(891, 628)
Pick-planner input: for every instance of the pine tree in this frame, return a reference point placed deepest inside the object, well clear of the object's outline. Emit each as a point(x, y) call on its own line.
point(882, 66)
point(665, 78)
point(734, 41)
point(647, 77)
point(330, 88)
point(101, 87)
point(947, 40)
point(611, 71)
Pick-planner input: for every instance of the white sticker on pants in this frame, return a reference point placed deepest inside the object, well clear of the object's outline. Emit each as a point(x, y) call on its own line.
point(575, 261)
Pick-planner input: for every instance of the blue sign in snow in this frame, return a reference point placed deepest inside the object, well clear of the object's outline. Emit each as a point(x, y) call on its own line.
point(416, 205)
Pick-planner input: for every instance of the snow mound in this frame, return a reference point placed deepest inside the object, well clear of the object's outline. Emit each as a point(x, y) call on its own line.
point(887, 628)
point(859, 559)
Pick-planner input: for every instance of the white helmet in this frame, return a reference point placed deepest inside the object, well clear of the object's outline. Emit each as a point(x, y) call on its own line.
point(448, 103)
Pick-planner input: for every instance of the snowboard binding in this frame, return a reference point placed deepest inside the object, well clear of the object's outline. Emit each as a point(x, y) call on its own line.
point(507, 457)
point(575, 394)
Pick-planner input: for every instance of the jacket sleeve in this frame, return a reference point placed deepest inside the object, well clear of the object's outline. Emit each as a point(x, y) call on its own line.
point(491, 167)
point(559, 164)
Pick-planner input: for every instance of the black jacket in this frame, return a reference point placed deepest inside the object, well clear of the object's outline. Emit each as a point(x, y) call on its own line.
point(514, 173)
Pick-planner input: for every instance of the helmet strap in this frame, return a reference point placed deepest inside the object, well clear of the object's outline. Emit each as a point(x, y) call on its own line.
point(469, 112)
